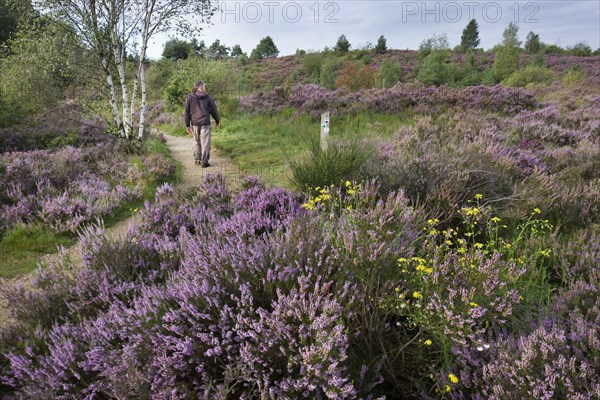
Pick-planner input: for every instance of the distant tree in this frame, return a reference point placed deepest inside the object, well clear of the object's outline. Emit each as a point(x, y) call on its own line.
point(509, 37)
point(596, 52)
point(218, 50)
point(236, 51)
point(553, 49)
point(381, 46)
point(342, 45)
point(470, 36)
point(580, 49)
point(436, 42)
point(532, 43)
point(199, 48)
point(176, 49)
point(300, 52)
point(265, 49)
point(434, 53)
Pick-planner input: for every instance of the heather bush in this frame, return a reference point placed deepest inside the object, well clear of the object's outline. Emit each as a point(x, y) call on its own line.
point(313, 99)
point(71, 186)
point(275, 316)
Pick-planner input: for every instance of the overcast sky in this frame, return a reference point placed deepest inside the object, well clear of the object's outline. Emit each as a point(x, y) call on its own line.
point(315, 24)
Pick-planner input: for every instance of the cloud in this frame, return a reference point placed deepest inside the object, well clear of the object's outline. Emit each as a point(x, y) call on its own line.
point(315, 24)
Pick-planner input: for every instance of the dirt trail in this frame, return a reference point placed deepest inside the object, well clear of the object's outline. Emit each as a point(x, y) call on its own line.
point(181, 149)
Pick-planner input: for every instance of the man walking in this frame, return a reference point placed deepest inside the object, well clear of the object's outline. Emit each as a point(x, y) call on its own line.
point(199, 106)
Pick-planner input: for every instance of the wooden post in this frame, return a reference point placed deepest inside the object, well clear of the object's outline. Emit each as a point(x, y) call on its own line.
point(324, 130)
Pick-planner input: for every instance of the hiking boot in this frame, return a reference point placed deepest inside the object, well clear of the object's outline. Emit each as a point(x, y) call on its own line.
point(197, 162)
point(205, 165)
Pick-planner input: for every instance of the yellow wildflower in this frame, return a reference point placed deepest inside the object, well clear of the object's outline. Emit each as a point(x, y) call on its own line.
point(478, 196)
point(428, 342)
point(473, 304)
point(537, 211)
point(496, 219)
point(417, 295)
point(453, 378)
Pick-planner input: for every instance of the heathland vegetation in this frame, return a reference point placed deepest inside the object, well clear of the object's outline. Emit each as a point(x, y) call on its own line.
point(445, 245)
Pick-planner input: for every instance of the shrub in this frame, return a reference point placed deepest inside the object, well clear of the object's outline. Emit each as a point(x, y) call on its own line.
point(388, 74)
point(220, 78)
point(506, 62)
point(354, 77)
point(329, 71)
point(531, 74)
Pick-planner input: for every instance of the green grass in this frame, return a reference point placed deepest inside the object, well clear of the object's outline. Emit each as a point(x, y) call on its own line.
point(22, 247)
point(264, 144)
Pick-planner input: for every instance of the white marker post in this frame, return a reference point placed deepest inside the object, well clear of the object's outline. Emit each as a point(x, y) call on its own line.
point(324, 130)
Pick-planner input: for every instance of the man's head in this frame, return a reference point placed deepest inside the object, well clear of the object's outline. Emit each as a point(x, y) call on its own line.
point(200, 87)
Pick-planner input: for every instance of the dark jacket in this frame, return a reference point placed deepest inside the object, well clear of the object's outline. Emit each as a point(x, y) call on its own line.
point(198, 109)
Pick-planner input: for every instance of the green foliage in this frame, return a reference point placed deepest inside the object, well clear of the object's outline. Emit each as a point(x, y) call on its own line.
point(470, 36)
point(220, 77)
point(581, 49)
point(311, 66)
point(265, 49)
point(217, 50)
point(573, 76)
point(509, 36)
point(434, 43)
point(176, 49)
point(553, 49)
point(532, 43)
point(531, 74)
point(506, 62)
point(12, 14)
point(44, 60)
point(434, 70)
point(381, 46)
point(322, 168)
point(329, 71)
point(388, 74)
point(342, 45)
point(236, 51)
point(158, 75)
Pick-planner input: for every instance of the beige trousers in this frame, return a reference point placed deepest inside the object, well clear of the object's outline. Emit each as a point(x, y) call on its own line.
point(201, 143)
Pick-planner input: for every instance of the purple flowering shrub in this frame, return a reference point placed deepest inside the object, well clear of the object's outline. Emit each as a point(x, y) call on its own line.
point(218, 295)
point(560, 358)
point(262, 293)
point(313, 99)
point(72, 186)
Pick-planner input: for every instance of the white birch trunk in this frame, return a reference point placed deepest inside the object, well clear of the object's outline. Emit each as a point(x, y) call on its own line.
point(119, 53)
point(142, 72)
point(113, 98)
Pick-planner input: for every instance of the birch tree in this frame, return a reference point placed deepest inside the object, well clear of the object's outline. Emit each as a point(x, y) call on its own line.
point(110, 28)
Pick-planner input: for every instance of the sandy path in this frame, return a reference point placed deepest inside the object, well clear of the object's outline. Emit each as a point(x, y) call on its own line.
point(181, 149)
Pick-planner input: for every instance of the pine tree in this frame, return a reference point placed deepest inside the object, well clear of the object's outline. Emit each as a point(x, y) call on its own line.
point(342, 45)
point(381, 46)
point(236, 51)
point(265, 49)
point(470, 36)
